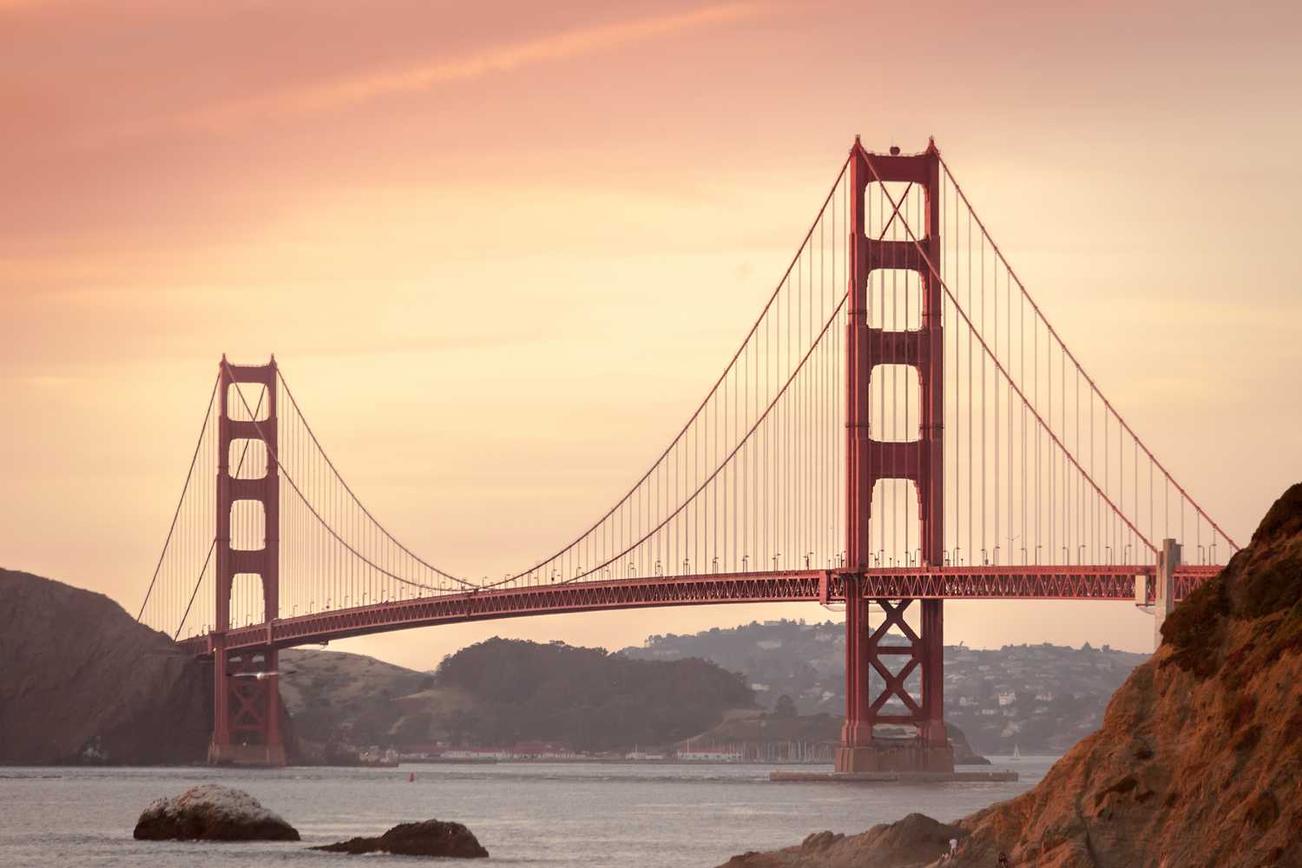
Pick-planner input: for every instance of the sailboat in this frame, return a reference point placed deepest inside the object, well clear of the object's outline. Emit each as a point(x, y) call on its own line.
point(1017, 754)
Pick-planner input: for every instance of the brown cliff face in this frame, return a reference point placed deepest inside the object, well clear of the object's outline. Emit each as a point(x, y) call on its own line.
point(81, 681)
point(1199, 759)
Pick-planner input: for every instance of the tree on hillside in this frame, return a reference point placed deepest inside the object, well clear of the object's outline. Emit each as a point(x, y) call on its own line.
point(785, 708)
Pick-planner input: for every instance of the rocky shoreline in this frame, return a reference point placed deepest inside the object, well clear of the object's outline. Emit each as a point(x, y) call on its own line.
point(211, 812)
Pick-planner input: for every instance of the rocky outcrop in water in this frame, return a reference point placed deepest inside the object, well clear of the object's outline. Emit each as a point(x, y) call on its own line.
point(964, 755)
point(427, 838)
point(212, 813)
point(914, 842)
point(1198, 762)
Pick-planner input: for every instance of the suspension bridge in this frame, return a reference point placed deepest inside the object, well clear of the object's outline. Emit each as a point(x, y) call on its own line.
point(900, 425)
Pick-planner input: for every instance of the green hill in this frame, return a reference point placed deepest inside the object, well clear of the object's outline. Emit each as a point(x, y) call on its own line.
point(502, 692)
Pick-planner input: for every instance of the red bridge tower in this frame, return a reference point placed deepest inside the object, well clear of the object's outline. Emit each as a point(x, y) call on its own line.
point(869, 460)
point(246, 688)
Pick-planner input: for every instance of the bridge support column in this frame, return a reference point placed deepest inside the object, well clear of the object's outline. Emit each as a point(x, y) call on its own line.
point(248, 731)
point(894, 689)
point(246, 689)
point(1164, 586)
point(915, 686)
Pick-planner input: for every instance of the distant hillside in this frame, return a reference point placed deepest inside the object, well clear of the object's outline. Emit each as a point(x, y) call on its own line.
point(502, 692)
point(340, 702)
point(81, 681)
point(585, 697)
point(1036, 697)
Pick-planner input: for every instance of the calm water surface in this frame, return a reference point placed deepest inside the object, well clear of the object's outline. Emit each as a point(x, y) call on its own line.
point(525, 814)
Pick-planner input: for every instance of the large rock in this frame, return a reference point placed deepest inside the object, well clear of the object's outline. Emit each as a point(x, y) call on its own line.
point(913, 842)
point(428, 838)
point(1199, 760)
point(212, 813)
point(964, 755)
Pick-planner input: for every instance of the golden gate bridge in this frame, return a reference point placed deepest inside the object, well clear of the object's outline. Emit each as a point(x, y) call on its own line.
point(900, 425)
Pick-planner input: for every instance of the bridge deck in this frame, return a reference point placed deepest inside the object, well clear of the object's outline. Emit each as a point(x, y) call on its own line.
point(1106, 583)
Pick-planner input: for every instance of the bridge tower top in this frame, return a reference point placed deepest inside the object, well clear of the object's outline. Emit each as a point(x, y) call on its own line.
point(871, 456)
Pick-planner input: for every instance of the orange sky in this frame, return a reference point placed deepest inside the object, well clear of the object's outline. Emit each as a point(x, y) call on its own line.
point(501, 249)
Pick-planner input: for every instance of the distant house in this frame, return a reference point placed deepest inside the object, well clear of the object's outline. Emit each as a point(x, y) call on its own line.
point(540, 750)
point(710, 756)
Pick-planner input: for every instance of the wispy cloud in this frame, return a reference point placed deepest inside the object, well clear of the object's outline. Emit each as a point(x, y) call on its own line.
point(344, 92)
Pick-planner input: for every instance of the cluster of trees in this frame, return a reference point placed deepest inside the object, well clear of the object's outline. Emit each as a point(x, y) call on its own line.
point(584, 698)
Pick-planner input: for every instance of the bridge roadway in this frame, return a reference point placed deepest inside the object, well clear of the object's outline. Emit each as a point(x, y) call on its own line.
point(1105, 583)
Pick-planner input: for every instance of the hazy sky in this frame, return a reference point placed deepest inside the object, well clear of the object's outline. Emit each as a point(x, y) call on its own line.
point(501, 249)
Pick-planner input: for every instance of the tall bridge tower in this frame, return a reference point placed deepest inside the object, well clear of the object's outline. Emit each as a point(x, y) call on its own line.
point(870, 459)
point(246, 687)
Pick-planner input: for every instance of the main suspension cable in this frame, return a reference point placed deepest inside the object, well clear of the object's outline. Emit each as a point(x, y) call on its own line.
point(194, 459)
point(709, 395)
point(1079, 367)
point(320, 519)
point(383, 530)
point(728, 458)
point(999, 365)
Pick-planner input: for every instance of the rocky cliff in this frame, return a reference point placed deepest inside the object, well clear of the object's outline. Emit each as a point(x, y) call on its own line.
point(81, 681)
point(1198, 761)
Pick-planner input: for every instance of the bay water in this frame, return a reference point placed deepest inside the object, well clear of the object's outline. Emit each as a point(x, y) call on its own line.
point(525, 814)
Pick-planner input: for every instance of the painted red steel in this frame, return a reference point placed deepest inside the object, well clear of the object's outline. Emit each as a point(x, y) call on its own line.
point(1113, 583)
point(246, 701)
point(870, 460)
